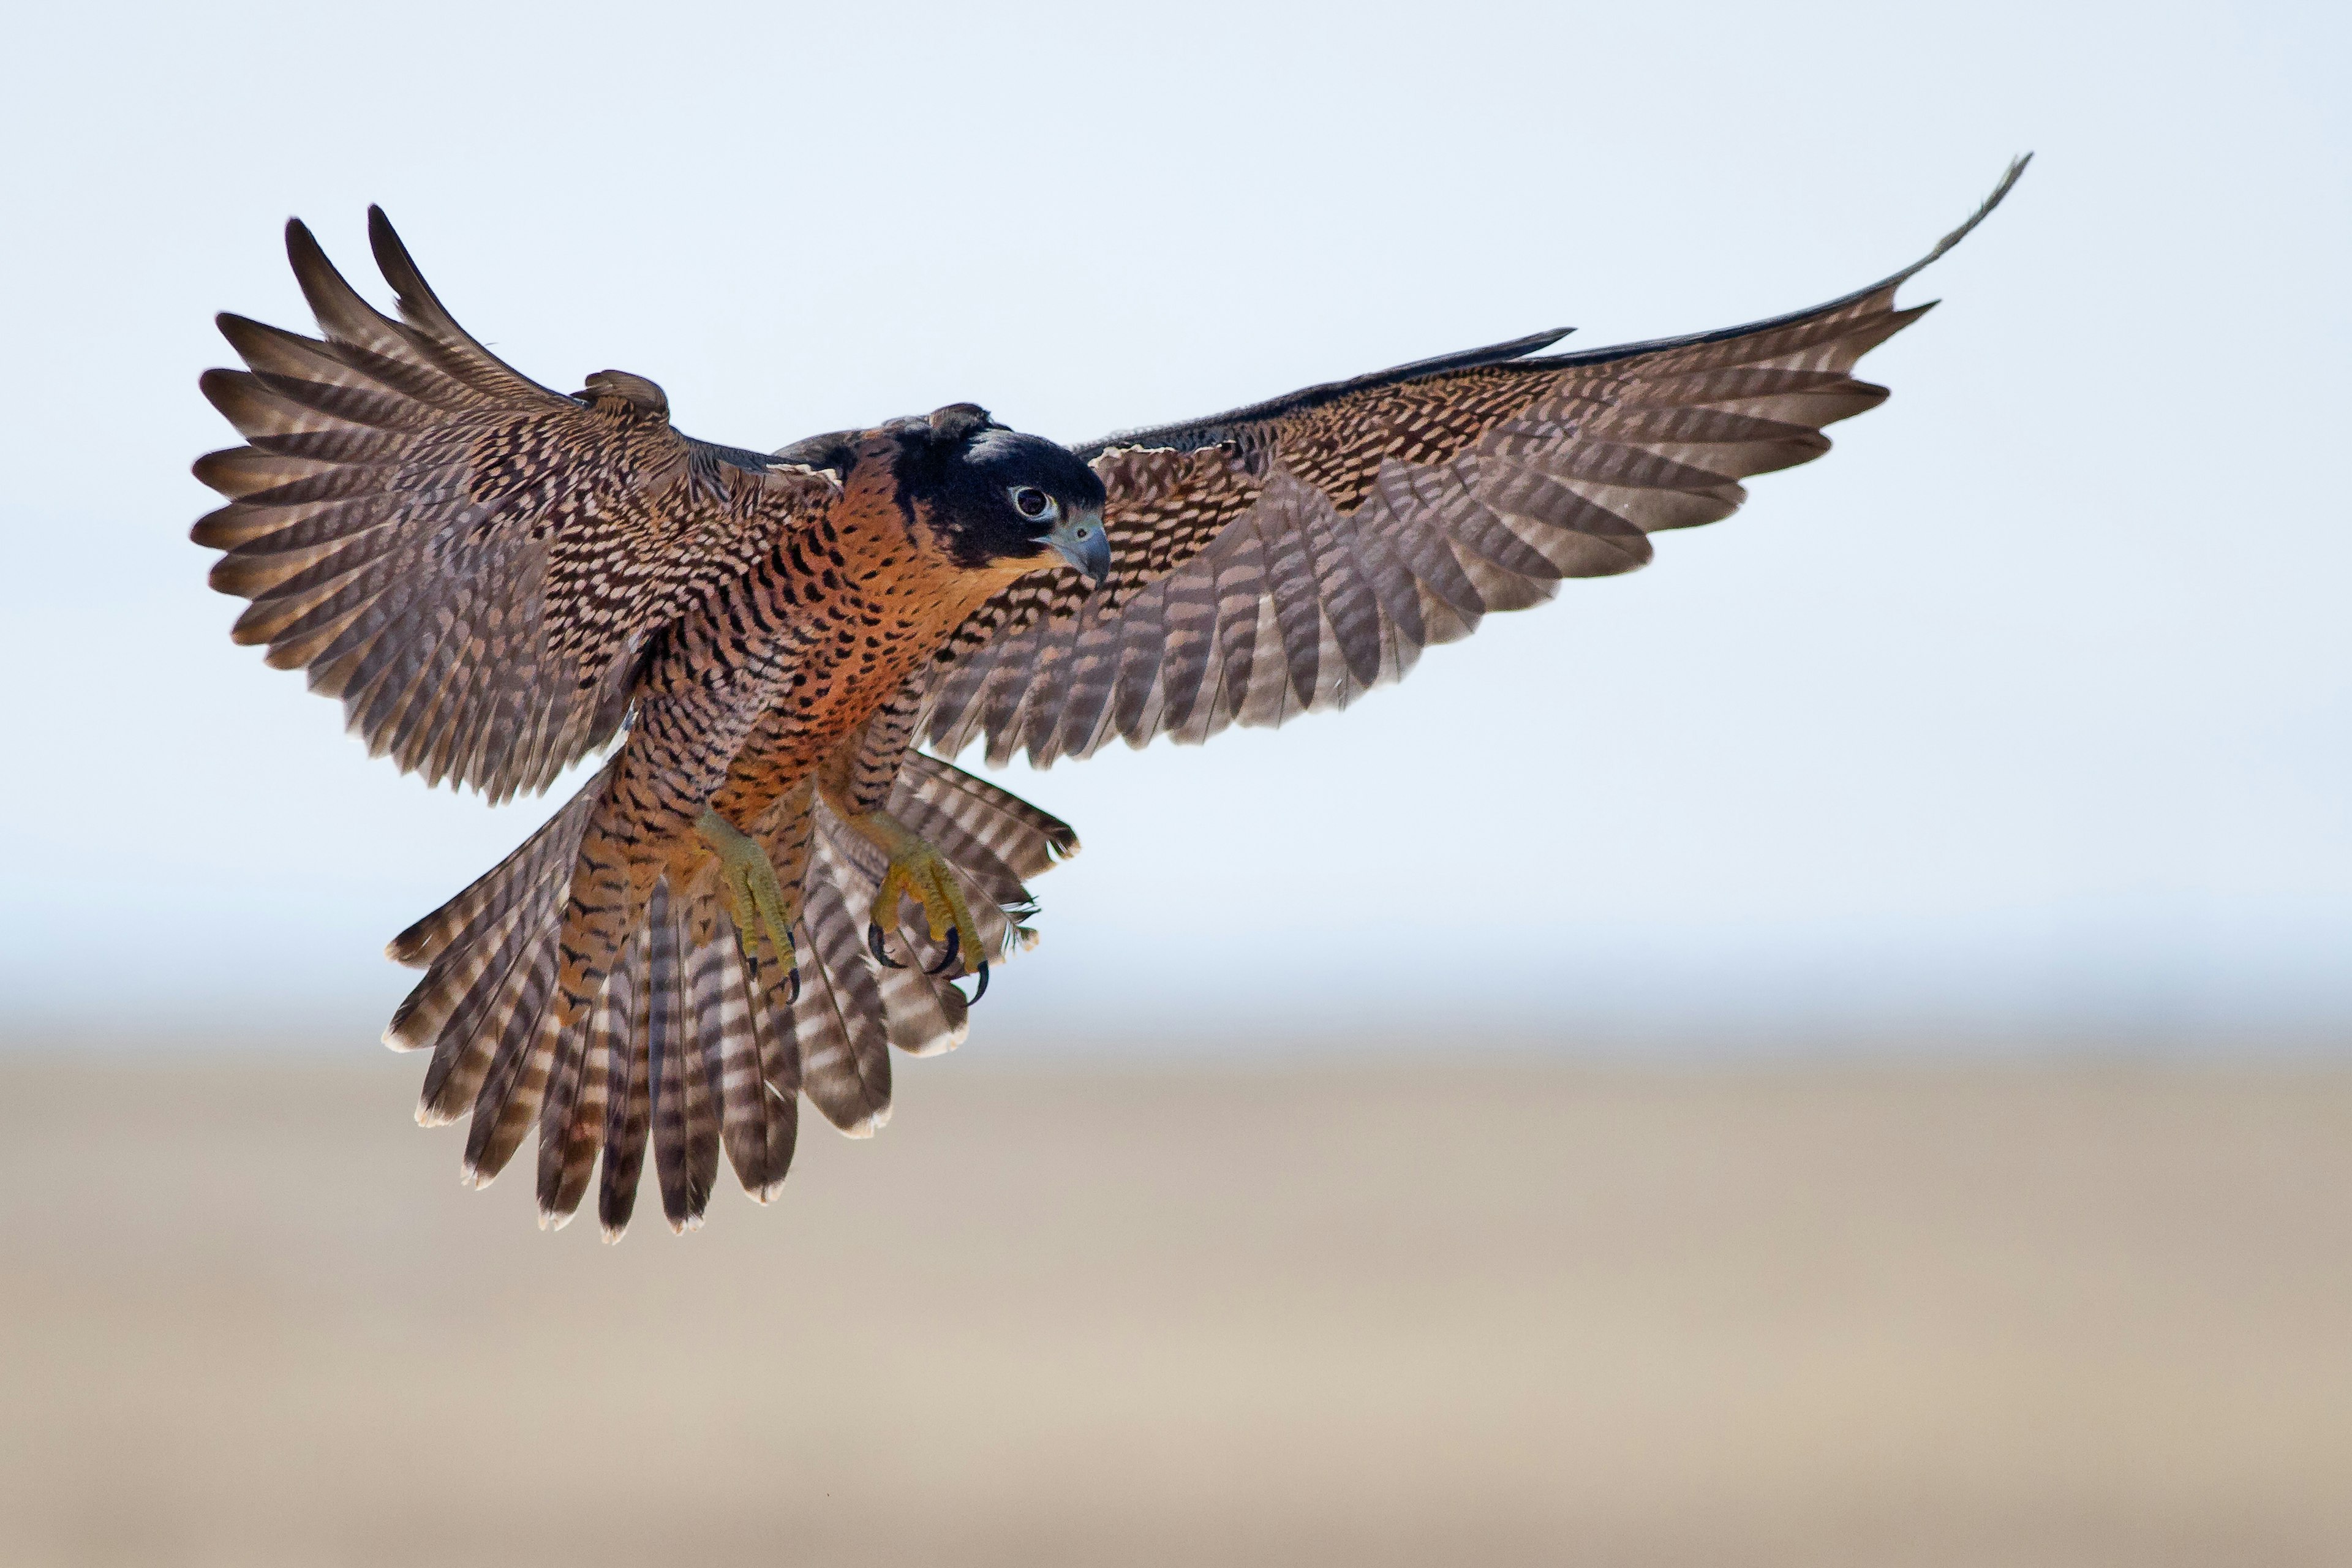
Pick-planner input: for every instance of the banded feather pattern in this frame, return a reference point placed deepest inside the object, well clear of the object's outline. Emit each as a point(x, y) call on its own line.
point(1290, 556)
point(689, 1052)
point(468, 559)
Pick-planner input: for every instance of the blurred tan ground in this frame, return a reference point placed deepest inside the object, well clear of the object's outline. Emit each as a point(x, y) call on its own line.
point(1489, 1314)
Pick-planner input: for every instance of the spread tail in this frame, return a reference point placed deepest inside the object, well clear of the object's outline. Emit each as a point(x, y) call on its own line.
point(687, 1050)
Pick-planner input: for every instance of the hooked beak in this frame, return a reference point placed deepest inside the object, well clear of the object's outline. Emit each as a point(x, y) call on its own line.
point(1082, 541)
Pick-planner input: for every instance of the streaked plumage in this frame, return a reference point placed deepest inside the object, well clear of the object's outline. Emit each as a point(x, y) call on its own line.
point(496, 580)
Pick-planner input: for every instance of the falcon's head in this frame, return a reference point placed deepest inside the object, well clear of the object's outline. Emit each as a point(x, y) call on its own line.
point(1003, 498)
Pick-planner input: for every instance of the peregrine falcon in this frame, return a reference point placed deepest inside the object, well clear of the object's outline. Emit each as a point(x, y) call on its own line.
point(775, 876)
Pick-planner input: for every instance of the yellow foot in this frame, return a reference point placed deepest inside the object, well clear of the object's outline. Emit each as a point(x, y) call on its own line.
point(755, 898)
point(919, 870)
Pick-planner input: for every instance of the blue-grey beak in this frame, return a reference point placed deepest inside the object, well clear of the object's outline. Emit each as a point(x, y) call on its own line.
point(1082, 543)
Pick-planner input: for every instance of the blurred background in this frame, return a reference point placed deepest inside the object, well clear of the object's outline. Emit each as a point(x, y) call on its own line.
point(1833, 1048)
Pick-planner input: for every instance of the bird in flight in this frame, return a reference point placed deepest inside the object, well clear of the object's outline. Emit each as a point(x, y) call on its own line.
point(776, 877)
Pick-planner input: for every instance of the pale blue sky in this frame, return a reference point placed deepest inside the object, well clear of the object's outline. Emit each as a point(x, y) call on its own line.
point(2026, 712)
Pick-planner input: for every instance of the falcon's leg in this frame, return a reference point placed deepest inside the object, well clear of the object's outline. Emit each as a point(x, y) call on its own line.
point(755, 898)
point(921, 872)
point(856, 781)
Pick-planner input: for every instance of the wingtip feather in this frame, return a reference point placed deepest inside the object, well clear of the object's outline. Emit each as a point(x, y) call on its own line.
point(221, 388)
point(391, 255)
point(302, 247)
point(1984, 209)
point(418, 303)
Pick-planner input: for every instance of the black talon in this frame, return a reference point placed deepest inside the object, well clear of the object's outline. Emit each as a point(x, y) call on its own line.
point(979, 990)
point(794, 977)
point(874, 941)
point(947, 959)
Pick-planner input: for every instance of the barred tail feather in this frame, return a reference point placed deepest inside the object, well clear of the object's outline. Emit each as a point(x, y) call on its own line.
point(688, 1053)
point(923, 1015)
point(508, 1102)
point(779, 1086)
point(543, 861)
point(837, 1022)
point(675, 1057)
point(571, 1116)
point(731, 1023)
point(628, 1094)
point(462, 1048)
point(706, 1109)
point(960, 809)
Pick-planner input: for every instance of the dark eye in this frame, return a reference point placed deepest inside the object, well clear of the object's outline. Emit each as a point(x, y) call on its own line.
point(1032, 503)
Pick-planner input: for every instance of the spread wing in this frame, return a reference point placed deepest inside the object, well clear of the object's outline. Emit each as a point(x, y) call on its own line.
point(471, 562)
point(1289, 556)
